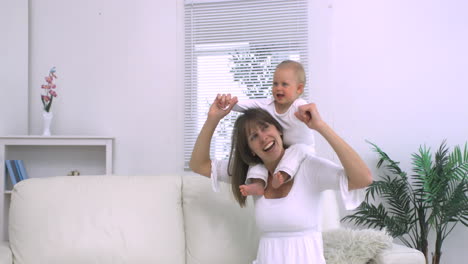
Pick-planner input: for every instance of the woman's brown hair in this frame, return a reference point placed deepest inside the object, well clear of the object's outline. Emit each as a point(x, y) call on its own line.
point(241, 156)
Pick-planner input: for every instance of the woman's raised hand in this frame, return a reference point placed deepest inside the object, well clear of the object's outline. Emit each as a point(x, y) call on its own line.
point(200, 162)
point(359, 175)
point(222, 106)
point(309, 114)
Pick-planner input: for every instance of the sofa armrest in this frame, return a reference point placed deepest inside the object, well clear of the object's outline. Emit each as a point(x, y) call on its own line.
point(399, 254)
point(5, 253)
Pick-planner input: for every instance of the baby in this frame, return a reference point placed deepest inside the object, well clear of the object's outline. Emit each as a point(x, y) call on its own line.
point(288, 84)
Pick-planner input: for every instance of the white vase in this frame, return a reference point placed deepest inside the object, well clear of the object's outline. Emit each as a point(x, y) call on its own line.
point(46, 121)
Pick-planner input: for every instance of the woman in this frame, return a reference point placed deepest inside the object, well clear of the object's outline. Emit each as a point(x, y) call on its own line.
point(288, 216)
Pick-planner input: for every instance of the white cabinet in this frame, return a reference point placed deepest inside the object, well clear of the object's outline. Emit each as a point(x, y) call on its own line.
point(52, 156)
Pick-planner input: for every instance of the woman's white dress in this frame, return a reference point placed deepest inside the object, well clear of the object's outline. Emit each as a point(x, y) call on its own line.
point(290, 226)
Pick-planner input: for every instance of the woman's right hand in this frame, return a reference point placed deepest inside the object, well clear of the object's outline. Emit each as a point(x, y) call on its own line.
point(222, 106)
point(200, 162)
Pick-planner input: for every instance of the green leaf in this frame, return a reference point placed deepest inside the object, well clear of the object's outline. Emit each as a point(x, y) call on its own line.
point(435, 199)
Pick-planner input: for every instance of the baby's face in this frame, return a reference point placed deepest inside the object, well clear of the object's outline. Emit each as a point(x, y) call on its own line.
point(286, 87)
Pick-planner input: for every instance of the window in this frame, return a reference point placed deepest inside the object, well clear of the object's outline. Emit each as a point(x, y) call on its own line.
point(233, 46)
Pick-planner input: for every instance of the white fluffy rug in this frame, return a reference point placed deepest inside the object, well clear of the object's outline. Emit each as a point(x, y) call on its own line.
point(354, 246)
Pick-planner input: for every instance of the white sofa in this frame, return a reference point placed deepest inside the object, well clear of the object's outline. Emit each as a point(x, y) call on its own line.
point(136, 220)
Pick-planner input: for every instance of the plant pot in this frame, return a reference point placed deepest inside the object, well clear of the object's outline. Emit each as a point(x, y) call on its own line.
point(46, 122)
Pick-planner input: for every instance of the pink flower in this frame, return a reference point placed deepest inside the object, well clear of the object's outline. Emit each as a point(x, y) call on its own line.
point(45, 98)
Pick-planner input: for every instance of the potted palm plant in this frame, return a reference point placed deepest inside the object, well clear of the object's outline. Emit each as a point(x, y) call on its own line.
point(434, 198)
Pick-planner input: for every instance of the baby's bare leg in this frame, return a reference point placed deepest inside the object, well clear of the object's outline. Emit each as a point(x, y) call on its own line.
point(257, 187)
point(279, 178)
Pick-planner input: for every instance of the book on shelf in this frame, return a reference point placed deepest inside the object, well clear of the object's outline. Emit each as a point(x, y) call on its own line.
point(12, 172)
point(21, 169)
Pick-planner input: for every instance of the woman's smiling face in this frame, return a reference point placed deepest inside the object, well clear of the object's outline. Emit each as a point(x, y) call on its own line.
point(264, 140)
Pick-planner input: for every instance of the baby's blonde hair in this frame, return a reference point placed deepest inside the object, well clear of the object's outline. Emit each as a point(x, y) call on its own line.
point(297, 67)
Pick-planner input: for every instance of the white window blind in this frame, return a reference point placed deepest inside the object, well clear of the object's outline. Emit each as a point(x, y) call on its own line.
point(233, 46)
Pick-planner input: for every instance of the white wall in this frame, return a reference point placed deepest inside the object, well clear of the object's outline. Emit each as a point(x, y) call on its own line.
point(399, 80)
point(117, 68)
point(13, 67)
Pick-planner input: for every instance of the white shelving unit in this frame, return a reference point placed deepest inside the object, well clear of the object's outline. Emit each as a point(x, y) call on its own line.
point(52, 156)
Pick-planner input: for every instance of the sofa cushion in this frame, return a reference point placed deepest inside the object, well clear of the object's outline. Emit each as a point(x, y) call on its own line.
point(399, 255)
point(354, 246)
point(97, 219)
point(217, 229)
point(5, 253)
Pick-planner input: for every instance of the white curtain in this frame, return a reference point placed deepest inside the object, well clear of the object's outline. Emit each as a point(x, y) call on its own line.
point(233, 46)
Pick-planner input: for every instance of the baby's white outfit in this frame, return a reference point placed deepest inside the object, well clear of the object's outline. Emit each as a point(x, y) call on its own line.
point(294, 132)
point(290, 226)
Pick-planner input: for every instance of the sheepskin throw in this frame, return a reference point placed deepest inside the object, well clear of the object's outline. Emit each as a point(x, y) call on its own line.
point(354, 246)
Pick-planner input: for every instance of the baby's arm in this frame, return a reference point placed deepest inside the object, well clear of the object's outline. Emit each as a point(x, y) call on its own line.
point(243, 105)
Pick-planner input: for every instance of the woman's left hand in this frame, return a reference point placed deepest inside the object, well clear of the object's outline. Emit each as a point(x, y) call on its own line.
point(309, 114)
point(359, 175)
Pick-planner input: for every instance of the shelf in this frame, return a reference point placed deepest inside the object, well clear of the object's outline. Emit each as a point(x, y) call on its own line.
point(48, 156)
point(55, 140)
